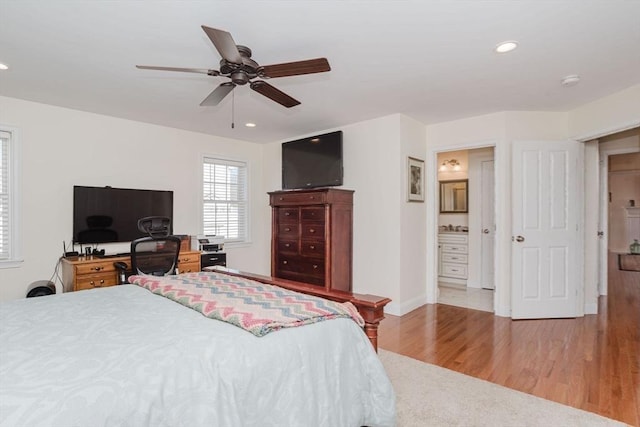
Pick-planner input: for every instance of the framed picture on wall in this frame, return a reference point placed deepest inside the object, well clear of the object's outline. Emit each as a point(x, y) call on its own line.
point(415, 180)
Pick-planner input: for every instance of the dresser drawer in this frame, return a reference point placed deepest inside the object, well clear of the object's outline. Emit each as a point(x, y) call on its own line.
point(96, 267)
point(454, 258)
point(288, 231)
point(298, 198)
point(302, 266)
point(448, 247)
point(287, 215)
point(98, 280)
point(288, 246)
point(454, 270)
point(188, 267)
point(188, 257)
point(312, 249)
point(453, 238)
point(313, 231)
point(188, 262)
point(312, 214)
point(304, 278)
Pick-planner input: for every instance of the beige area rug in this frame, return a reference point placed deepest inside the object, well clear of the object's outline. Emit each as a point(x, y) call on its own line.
point(428, 395)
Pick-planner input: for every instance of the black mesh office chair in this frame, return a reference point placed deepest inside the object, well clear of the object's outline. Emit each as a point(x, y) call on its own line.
point(155, 255)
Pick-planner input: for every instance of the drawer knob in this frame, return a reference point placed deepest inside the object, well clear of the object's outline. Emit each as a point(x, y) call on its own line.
point(286, 245)
point(287, 213)
point(287, 229)
point(315, 266)
point(98, 268)
point(312, 230)
point(284, 262)
point(281, 198)
point(312, 246)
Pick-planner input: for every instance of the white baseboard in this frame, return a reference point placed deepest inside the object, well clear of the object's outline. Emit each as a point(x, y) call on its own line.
point(503, 311)
point(400, 309)
point(591, 308)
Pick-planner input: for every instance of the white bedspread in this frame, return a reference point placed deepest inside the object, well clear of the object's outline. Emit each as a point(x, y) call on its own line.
point(121, 356)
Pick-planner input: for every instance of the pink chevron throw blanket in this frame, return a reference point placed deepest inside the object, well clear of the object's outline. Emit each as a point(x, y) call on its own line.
point(256, 307)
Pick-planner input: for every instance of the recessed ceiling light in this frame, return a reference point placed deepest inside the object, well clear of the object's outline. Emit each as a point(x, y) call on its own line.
point(507, 46)
point(250, 125)
point(571, 80)
point(3, 66)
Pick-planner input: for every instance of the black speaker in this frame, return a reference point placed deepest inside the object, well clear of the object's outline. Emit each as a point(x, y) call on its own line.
point(41, 288)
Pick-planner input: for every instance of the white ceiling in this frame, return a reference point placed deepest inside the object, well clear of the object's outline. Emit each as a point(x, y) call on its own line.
point(431, 60)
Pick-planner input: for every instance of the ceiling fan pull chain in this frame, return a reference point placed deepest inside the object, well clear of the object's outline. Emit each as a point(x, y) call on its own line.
point(233, 110)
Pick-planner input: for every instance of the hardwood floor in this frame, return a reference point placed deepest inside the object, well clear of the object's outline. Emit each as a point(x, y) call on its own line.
point(591, 363)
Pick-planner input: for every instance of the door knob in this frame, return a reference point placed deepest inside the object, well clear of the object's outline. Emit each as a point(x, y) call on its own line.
point(519, 239)
point(485, 231)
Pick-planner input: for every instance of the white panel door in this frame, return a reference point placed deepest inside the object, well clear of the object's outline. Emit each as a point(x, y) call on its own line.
point(546, 249)
point(603, 241)
point(487, 220)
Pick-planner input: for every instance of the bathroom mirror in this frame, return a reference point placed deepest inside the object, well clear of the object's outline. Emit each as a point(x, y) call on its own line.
point(454, 197)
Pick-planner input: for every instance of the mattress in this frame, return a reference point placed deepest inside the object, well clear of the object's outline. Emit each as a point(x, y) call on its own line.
point(122, 356)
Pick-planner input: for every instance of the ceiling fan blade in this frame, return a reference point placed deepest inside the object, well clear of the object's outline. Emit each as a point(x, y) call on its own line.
point(310, 66)
point(185, 70)
point(274, 94)
point(223, 41)
point(218, 94)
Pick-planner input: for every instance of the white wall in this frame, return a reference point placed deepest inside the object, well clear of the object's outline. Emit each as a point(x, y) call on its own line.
point(500, 130)
point(388, 232)
point(58, 145)
point(62, 148)
point(607, 115)
point(413, 227)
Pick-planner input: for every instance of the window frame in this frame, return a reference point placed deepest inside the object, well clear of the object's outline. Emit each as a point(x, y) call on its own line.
point(224, 159)
point(15, 202)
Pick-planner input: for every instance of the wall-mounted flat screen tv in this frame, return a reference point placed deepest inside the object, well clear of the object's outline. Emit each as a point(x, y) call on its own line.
point(107, 215)
point(312, 162)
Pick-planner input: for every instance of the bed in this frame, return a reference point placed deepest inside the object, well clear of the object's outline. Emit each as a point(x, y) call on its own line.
point(124, 355)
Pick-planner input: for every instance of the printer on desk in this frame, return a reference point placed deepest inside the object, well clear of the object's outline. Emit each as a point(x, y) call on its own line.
point(210, 247)
point(207, 243)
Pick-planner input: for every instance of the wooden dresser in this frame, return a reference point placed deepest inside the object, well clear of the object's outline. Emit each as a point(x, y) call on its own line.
point(311, 238)
point(88, 272)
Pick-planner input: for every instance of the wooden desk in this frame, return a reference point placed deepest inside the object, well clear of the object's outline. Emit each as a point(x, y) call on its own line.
point(88, 272)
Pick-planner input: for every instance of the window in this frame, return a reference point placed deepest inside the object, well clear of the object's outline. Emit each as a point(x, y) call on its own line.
point(225, 199)
point(9, 247)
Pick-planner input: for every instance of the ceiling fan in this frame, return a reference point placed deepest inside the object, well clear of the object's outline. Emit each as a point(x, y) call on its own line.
point(236, 64)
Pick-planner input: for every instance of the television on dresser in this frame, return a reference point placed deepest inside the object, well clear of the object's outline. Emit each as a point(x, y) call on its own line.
point(311, 162)
point(109, 215)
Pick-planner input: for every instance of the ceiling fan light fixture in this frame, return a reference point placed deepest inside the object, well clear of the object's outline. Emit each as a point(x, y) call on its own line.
point(3, 66)
point(236, 64)
point(250, 125)
point(506, 46)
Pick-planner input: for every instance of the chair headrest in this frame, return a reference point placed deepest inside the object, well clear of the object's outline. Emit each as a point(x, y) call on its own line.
point(155, 226)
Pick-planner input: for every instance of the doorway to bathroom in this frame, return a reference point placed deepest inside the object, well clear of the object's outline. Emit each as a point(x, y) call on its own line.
point(466, 228)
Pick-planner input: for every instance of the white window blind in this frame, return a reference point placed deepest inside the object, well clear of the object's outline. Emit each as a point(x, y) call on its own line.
point(225, 199)
point(5, 196)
